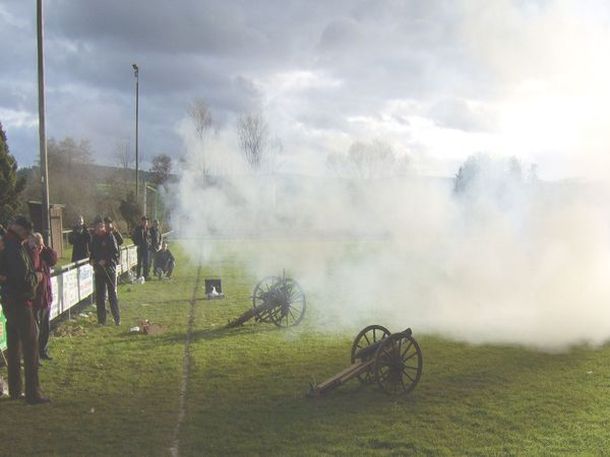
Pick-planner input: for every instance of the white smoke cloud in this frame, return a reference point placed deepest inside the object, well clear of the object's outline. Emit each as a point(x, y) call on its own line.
point(509, 261)
point(512, 261)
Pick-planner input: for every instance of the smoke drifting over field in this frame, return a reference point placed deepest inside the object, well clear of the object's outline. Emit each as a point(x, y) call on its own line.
point(508, 260)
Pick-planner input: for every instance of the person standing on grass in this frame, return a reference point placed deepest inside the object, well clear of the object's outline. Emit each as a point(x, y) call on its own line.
point(155, 240)
point(18, 294)
point(104, 258)
point(141, 238)
point(43, 258)
point(80, 239)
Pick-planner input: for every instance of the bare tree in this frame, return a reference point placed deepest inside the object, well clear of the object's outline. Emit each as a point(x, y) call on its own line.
point(253, 133)
point(123, 155)
point(201, 116)
point(372, 160)
point(125, 159)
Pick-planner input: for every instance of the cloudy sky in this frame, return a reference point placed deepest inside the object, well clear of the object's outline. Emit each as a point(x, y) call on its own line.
point(437, 79)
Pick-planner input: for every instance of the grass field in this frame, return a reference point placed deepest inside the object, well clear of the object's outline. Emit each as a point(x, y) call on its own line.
point(119, 394)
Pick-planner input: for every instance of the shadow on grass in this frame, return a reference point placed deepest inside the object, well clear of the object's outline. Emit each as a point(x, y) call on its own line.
point(218, 333)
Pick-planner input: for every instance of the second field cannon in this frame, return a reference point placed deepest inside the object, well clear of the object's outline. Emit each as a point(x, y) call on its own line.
point(393, 361)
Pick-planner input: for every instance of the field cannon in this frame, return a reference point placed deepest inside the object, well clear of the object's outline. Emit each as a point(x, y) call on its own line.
point(276, 299)
point(393, 361)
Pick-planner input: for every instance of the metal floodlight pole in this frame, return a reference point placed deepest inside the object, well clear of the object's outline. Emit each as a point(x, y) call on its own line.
point(44, 170)
point(156, 203)
point(144, 203)
point(136, 73)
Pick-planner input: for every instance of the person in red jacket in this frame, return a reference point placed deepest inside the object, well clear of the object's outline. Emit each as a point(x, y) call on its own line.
point(43, 258)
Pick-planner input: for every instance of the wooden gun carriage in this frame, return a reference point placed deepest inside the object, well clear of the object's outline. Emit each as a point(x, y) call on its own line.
point(393, 361)
point(276, 299)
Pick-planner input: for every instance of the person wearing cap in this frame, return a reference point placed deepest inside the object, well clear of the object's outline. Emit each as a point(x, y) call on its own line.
point(141, 238)
point(104, 259)
point(18, 294)
point(164, 262)
point(80, 239)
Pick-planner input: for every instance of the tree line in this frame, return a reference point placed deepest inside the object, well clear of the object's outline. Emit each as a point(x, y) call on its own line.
point(89, 189)
point(77, 182)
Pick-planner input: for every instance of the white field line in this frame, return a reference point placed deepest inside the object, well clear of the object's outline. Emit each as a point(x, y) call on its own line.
point(186, 368)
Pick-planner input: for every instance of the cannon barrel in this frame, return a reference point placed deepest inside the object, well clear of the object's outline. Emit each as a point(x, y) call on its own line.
point(392, 360)
point(368, 352)
point(251, 313)
point(277, 300)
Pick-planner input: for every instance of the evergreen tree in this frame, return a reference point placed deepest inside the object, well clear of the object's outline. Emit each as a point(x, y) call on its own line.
point(11, 185)
point(161, 169)
point(130, 211)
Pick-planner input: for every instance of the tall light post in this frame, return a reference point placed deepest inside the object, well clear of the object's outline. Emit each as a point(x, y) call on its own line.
point(136, 73)
point(42, 136)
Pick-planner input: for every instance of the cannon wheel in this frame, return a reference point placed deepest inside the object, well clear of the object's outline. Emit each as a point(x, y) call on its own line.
point(292, 308)
point(260, 290)
point(398, 364)
point(367, 336)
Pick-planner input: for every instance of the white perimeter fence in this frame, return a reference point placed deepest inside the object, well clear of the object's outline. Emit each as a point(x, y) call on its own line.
point(73, 283)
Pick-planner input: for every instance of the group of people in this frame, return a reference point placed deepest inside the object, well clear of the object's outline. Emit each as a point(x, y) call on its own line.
point(25, 279)
point(102, 249)
point(25, 276)
point(152, 250)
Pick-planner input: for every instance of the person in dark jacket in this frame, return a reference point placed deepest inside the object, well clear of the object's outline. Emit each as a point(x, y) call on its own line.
point(164, 262)
point(110, 228)
point(141, 238)
point(104, 258)
point(43, 258)
point(155, 240)
point(18, 293)
point(80, 239)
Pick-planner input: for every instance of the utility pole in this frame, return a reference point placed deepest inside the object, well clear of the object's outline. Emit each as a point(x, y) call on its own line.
point(144, 204)
point(44, 169)
point(136, 73)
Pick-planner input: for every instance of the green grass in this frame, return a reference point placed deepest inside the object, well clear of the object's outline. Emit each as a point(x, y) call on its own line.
point(66, 257)
point(118, 394)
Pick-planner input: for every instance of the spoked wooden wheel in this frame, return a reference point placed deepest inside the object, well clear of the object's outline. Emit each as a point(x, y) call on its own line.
point(261, 295)
point(289, 300)
point(367, 337)
point(398, 364)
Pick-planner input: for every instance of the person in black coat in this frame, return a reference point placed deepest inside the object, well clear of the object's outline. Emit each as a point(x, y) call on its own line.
point(155, 240)
point(104, 258)
point(80, 239)
point(110, 228)
point(141, 238)
point(19, 284)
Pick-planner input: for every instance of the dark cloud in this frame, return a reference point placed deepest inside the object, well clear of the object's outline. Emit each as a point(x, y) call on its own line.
point(237, 55)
